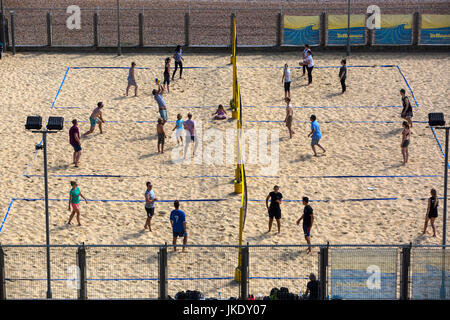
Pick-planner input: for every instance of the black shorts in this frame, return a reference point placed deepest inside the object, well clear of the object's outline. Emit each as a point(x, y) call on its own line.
point(405, 144)
point(166, 78)
point(161, 138)
point(306, 230)
point(287, 86)
point(150, 212)
point(179, 234)
point(76, 147)
point(432, 215)
point(274, 213)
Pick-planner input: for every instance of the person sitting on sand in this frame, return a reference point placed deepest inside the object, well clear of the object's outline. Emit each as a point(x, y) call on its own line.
point(179, 129)
point(161, 135)
point(149, 205)
point(220, 113)
point(289, 116)
point(74, 201)
point(179, 225)
point(406, 133)
point(96, 117)
point(432, 212)
point(158, 95)
point(274, 210)
point(407, 112)
point(132, 80)
point(315, 135)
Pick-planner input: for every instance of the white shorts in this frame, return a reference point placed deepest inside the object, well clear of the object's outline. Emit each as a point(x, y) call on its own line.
point(179, 133)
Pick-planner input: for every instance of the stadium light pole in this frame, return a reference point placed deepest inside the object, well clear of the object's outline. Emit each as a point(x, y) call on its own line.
point(438, 119)
point(35, 124)
point(348, 28)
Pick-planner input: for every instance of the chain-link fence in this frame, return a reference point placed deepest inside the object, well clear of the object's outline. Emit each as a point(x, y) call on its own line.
point(191, 24)
point(356, 272)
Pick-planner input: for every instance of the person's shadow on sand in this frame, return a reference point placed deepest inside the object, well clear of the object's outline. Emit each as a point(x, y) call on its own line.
point(148, 155)
point(135, 235)
point(60, 167)
point(302, 158)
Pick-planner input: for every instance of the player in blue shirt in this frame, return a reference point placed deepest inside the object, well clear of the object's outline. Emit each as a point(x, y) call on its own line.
point(179, 225)
point(316, 135)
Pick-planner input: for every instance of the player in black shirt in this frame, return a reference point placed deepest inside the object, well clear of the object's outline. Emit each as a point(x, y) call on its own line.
point(308, 219)
point(407, 112)
point(343, 74)
point(432, 212)
point(274, 209)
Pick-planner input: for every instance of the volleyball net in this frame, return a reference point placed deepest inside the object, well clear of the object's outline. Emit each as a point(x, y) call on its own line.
point(240, 182)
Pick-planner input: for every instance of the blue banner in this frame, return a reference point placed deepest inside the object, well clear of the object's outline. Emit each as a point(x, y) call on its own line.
point(395, 29)
point(337, 30)
point(352, 284)
point(435, 29)
point(300, 30)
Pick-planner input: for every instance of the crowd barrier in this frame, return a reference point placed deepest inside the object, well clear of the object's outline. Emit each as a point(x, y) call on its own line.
point(355, 272)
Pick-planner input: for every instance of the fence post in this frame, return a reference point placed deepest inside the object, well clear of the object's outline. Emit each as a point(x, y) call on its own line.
point(244, 273)
point(405, 262)
point(2, 275)
point(279, 29)
point(141, 29)
point(233, 15)
point(416, 28)
point(3, 28)
point(323, 34)
point(162, 262)
point(81, 262)
point(13, 35)
point(187, 26)
point(49, 29)
point(323, 266)
point(95, 29)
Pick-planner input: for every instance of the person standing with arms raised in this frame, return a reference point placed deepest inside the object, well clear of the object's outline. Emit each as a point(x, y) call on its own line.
point(308, 219)
point(274, 210)
point(178, 61)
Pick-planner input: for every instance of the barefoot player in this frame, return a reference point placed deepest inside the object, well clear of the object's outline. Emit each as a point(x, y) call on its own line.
point(308, 219)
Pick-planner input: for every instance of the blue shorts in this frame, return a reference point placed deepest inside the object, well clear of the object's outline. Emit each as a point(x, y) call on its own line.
point(179, 234)
point(93, 121)
point(306, 230)
point(315, 141)
point(163, 113)
point(76, 147)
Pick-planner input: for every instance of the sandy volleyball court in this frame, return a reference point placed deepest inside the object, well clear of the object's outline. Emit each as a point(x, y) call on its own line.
point(359, 142)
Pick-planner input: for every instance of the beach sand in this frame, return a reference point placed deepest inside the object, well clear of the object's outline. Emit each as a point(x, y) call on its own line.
point(357, 141)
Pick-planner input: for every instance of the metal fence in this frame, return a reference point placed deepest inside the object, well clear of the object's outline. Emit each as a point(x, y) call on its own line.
point(359, 272)
point(192, 25)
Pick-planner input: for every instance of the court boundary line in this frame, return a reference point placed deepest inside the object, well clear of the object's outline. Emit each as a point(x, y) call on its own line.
point(207, 200)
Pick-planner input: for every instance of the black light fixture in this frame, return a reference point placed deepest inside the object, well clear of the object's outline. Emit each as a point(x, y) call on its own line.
point(54, 124)
point(34, 123)
point(436, 119)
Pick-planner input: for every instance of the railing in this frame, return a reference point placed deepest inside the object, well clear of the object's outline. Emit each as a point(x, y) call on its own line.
point(190, 26)
point(156, 272)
